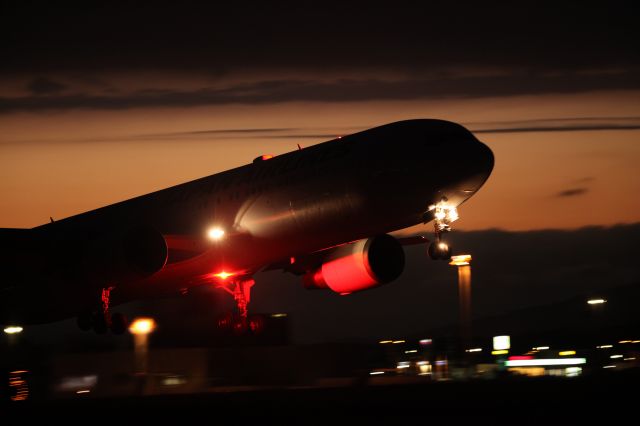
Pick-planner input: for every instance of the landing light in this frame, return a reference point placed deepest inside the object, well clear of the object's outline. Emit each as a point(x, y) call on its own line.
point(596, 301)
point(215, 234)
point(13, 329)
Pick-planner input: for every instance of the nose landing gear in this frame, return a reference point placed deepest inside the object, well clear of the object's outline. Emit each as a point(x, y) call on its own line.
point(443, 215)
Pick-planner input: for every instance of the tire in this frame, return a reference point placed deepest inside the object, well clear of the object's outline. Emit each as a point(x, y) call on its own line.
point(100, 325)
point(256, 324)
point(119, 323)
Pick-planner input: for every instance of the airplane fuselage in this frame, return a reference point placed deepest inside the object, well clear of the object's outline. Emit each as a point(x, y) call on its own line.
point(365, 184)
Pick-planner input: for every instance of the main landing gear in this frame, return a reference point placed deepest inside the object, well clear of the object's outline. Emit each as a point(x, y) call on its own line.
point(443, 215)
point(102, 319)
point(241, 322)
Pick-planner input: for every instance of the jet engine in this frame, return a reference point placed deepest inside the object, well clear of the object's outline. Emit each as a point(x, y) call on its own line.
point(138, 253)
point(359, 265)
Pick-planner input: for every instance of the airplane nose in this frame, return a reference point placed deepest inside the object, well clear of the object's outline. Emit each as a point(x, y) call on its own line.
point(486, 159)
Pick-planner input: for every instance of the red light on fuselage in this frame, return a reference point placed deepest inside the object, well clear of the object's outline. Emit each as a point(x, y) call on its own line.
point(223, 275)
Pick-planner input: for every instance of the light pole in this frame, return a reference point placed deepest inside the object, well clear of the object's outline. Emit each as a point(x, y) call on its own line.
point(141, 328)
point(463, 262)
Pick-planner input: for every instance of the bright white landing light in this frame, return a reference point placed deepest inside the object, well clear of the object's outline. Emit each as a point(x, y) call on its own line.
point(215, 234)
point(13, 329)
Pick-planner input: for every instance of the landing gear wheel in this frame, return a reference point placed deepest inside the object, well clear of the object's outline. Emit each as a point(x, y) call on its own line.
point(256, 324)
point(119, 323)
point(439, 250)
point(240, 326)
point(100, 323)
point(225, 321)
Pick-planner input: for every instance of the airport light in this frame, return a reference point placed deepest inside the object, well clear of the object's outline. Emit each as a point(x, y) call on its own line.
point(596, 301)
point(215, 233)
point(615, 356)
point(474, 350)
point(460, 260)
point(541, 348)
point(501, 343)
point(543, 362)
point(395, 342)
point(142, 326)
point(13, 329)
point(384, 342)
point(463, 263)
point(566, 353)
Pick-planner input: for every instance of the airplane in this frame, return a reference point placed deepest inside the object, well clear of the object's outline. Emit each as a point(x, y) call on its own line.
point(323, 212)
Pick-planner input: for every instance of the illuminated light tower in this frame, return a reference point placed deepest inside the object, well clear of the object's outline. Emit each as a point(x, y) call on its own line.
point(141, 328)
point(463, 262)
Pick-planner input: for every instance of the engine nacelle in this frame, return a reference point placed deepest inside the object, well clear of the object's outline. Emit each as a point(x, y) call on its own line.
point(138, 253)
point(358, 266)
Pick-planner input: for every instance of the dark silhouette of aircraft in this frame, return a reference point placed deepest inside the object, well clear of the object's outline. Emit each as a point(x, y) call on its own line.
point(322, 212)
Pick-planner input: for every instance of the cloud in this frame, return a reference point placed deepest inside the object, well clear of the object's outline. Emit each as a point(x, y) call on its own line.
point(263, 92)
point(572, 192)
point(45, 86)
point(568, 124)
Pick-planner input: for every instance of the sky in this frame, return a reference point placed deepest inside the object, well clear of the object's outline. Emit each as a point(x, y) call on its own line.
point(100, 103)
point(104, 102)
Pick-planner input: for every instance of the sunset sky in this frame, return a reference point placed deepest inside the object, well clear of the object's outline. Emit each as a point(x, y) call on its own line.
point(101, 104)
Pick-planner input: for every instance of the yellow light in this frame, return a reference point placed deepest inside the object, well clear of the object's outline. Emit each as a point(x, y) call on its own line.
point(83, 391)
point(566, 353)
point(223, 275)
point(412, 351)
point(460, 260)
point(500, 352)
point(142, 326)
point(624, 341)
point(596, 301)
point(397, 341)
point(384, 342)
point(278, 315)
point(13, 329)
point(215, 234)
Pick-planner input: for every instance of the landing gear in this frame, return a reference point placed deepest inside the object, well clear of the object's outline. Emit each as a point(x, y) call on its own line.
point(443, 215)
point(103, 320)
point(439, 250)
point(241, 323)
